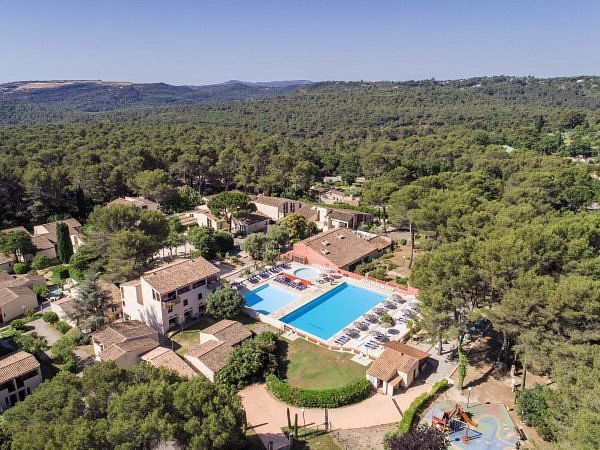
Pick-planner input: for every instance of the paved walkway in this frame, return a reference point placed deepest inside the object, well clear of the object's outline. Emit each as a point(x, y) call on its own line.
point(46, 330)
point(268, 415)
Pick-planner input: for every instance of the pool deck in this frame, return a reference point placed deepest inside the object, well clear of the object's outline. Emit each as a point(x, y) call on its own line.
point(400, 313)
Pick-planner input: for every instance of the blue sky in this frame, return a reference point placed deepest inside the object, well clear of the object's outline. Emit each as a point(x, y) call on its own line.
point(201, 42)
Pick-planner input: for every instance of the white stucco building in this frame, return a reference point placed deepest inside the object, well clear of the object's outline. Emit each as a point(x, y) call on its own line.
point(164, 298)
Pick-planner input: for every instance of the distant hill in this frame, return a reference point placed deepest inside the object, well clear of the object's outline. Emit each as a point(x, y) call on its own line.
point(96, 96)
point(284, 83)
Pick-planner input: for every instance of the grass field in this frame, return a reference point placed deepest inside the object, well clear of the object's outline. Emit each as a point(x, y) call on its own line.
point(310, 366)
point(310, 439)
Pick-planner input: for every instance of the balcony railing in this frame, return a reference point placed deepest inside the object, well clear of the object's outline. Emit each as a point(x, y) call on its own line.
point(170, 303)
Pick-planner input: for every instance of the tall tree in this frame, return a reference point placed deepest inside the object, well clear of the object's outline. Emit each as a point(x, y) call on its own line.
point(90, 303)
point(230, 204)
point(16, 242)
point(64, 246)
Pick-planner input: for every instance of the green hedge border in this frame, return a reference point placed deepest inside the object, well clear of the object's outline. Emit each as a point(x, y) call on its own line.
point(411, 413)
point(348, 394)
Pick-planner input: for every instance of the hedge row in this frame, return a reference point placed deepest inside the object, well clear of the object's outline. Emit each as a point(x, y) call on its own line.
point(411, 412)
point(327, 398)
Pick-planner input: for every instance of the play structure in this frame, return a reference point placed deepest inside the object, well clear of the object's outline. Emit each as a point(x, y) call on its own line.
point(447, 421)
point(486, 426)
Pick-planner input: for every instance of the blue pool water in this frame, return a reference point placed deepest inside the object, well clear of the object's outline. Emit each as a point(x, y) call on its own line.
point(268, 298)
point(308, 273)
point(334, 310)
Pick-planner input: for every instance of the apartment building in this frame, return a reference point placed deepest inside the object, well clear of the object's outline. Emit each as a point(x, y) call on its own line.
point(276, 207)
point(19, 375)
point(166, 297)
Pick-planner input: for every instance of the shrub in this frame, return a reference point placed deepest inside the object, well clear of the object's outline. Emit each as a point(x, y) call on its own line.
point(385, 317)
point(31, 342)
point(50, 317)
point(353, 392)
point(75, 273)
point(251, 361)
point(41, 262)
point(59, 274)
point(62, 327)
point(41, 290)
point(70, 365)
point(533, 409)
point(411, 413)
point(401, 280)
point(18, 324)
point(21, 268)
point(403, 242)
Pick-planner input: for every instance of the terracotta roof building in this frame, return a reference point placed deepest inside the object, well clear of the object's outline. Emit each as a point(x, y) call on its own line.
point(20, 374)
point(396, 367)
point(229, 331)
point(216, 343)
point(166, 297)
point(276, 208)
point(124, 342)
point(138, 202)
point(167, 358)
point(340, 248)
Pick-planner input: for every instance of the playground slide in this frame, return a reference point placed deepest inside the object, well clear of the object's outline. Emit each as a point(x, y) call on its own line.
point(467, 419)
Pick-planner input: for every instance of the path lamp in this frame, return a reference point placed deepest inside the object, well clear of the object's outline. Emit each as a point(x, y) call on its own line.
point(468, 396)
point(303, 418)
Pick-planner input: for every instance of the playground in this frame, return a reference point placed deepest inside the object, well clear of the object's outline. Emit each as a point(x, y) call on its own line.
point(485, 426)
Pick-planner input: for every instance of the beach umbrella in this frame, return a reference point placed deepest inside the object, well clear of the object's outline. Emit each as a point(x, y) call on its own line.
point(358, 325)
point(374, 333)
point(385, 325)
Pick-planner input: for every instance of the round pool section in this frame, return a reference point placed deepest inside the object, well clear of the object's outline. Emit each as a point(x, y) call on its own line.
point(307, 273)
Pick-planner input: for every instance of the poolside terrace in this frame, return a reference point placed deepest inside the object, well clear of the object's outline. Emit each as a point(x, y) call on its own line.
point(364, 336)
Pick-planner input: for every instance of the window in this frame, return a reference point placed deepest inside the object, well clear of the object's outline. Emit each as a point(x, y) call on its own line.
point(199, 296)
point(170, 309)
point(197, 284)
point(184, 289)
point(185, 302)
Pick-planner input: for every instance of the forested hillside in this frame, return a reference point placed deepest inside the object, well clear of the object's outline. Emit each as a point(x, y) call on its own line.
point(495, 174)
point(94, 96)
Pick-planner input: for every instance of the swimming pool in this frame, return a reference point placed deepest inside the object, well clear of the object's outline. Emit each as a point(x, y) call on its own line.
point(307, 273)
point(268, 298)
point(334, 310)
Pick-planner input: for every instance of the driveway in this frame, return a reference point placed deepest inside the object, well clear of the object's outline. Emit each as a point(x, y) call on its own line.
point(268, 415)
point(46, 330)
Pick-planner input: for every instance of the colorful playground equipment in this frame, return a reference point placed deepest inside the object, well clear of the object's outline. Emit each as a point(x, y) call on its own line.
point(447, 421)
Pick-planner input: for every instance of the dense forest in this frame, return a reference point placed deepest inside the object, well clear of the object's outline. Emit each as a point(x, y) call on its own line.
point(496, 175)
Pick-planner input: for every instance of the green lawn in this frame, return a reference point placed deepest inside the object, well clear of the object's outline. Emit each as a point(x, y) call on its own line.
point(310, 439)
point(310, 366)
point(190, 336)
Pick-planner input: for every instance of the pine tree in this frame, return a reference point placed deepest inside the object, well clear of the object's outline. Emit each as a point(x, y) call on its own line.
point(90, 303)
point(64, 247)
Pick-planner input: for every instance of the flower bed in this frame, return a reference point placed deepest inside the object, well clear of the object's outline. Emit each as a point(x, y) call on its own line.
point(353, 392)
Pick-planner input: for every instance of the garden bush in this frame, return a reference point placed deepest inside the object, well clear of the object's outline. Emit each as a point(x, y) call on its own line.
point(41, 290)
point(21, 268)
point(18, 324)
point(403, 242)
point(41, 262)
point(50, 317)
point(353, 392)
point(62, 327)
point(533, 410)
point(60, 273)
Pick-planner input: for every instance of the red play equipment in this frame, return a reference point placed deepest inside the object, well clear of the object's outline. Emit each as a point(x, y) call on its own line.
point(441, 419)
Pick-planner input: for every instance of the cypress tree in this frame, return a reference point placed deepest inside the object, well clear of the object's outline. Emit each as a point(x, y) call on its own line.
point(64, 248)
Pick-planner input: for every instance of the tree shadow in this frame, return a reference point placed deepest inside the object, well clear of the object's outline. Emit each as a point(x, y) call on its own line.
point(282, 358)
